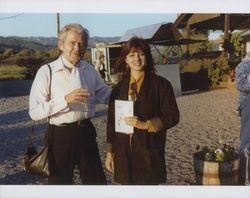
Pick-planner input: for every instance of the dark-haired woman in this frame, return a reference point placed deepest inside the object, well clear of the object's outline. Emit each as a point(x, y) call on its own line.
point(139, 158)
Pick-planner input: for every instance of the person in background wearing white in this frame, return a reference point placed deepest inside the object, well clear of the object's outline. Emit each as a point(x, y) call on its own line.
point(75, 89)
point(100, 66)
point(242, 72)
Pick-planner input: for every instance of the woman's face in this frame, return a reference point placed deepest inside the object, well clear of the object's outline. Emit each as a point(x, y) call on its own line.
point(136, 60)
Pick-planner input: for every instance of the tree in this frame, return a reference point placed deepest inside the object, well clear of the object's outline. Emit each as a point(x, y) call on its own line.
point(236, 41)
point(24, 53)
point(233, 45)
point(39, 54)
point(53, 53)
point(196, 47)
point(7, 53)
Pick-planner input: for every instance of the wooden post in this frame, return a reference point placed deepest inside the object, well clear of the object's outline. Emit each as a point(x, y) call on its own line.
point(188, 37)
point(226, 32)
point(58, 23)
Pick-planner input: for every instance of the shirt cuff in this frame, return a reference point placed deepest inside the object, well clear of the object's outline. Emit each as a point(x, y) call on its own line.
point(59, 105)
point(154, 125)
point(108, 147)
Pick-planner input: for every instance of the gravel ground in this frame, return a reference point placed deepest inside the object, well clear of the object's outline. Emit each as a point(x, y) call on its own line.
point(206, 118)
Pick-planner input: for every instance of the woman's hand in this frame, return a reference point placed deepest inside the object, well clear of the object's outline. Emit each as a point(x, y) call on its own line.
point(109, 162)
point(135, 122)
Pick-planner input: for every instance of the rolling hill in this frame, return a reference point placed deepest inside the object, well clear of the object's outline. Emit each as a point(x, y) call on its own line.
point(43, 43)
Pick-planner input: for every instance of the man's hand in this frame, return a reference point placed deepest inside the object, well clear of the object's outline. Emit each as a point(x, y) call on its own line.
point(135, 122)
point(76, 96)
point(109, 162)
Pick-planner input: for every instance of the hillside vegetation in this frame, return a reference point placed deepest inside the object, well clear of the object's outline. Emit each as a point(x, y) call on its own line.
point(43, 43)
point(21, 57)
point(19, 43)
point(12, 72)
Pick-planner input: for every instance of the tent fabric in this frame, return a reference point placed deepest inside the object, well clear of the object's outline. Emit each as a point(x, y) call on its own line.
point(159, 34)
point(146, 32)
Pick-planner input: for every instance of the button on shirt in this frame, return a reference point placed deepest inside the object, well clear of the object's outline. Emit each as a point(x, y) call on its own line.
point(83, 75)
point(243, 79)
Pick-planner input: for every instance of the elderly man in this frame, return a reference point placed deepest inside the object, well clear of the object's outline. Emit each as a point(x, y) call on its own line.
point(75, 89)
point(243, 84)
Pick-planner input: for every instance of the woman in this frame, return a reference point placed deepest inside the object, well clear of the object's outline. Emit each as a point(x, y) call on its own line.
point(139, 158)
point(100, 66)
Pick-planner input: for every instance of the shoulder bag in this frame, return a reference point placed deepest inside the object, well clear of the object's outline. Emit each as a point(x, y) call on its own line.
point(37, 162)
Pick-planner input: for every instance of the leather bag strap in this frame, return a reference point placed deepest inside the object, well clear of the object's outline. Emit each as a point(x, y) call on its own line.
point(33, 125)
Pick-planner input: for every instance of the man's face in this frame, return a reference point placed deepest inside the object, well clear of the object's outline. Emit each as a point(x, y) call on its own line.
point(73, 47)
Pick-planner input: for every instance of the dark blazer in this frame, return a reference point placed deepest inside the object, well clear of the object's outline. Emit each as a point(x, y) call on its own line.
point(142, 160)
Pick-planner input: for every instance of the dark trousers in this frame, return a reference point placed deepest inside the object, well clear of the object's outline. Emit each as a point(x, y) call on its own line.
point(72, 145)
point(244, 111)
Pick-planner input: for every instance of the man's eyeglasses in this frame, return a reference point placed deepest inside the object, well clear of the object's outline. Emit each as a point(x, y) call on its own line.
point(133, 87)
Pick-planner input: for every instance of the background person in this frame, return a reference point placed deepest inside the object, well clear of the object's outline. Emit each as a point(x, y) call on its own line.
point(139, 158)
point(100, 66)
point(242, 72)
point(75, 88)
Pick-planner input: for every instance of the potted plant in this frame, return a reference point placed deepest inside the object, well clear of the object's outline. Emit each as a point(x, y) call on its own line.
point(216, 165)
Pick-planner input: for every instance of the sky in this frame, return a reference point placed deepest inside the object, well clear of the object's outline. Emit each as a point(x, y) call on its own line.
point(104, 18)
point(102, 24)
point(98, 24)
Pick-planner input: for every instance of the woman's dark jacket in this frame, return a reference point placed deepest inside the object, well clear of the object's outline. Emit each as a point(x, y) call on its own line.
point(143, 161)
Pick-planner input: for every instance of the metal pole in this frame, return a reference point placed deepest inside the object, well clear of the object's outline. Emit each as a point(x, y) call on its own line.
point(58, 23)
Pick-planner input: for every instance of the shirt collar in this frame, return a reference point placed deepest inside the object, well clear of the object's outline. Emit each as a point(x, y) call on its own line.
point(67, 63)
point(138, 82)
point(59, 65)
point(62, 62)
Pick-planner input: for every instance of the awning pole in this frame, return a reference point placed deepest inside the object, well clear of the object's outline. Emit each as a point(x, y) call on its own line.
point(159, 52)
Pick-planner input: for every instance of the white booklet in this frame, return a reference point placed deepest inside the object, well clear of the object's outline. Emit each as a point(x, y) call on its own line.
point(123, 108)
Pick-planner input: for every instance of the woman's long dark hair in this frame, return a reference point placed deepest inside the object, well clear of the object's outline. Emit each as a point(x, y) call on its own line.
point(138, 44)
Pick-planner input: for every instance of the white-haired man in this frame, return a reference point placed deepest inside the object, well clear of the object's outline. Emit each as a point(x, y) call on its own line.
point(75, 89)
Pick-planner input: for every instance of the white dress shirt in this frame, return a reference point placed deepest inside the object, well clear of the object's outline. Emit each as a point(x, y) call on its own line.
point(83, 75)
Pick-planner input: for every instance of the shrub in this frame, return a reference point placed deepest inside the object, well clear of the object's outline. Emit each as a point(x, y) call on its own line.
point(31, 63)
point(24, 53)
point(7, 53)
point(218, 70)
point(218, 67)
